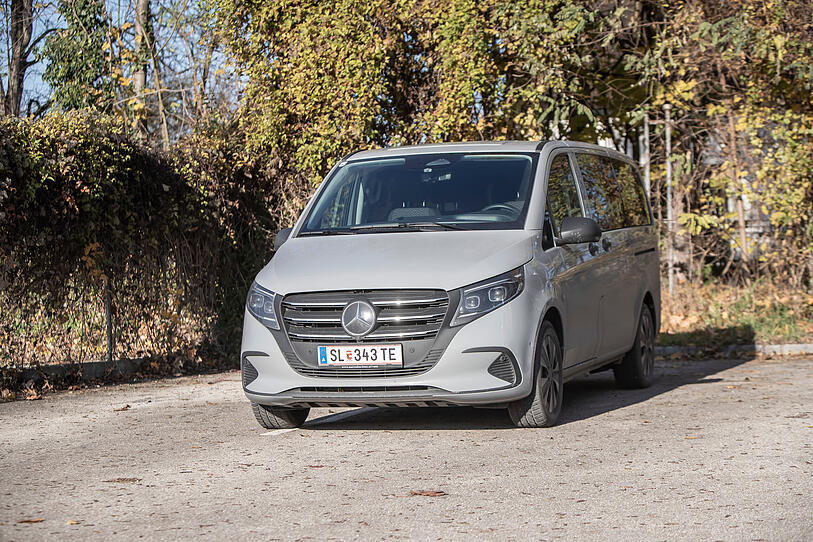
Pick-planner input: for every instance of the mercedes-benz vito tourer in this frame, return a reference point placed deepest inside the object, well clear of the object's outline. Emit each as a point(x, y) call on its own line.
point(457, 274)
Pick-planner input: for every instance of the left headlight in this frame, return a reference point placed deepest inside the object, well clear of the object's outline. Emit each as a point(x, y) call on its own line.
point(482, 297)
point(260, 303)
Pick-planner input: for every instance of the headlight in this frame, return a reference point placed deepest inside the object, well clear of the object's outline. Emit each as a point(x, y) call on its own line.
point(260, 303)
point(485, 296)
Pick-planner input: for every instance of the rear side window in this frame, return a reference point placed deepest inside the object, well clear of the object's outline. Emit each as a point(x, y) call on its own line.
point(614, 195)
point(563, 198)
point(633, 196)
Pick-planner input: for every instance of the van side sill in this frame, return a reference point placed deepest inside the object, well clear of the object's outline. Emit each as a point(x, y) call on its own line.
point(583, 368)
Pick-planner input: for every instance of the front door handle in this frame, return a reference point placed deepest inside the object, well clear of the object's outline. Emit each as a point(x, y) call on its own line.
point(606, 244)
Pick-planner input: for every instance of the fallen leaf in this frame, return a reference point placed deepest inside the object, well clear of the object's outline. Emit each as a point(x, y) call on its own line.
point(122, 409)
point(32, 394)
point(426, 493)
point(71, 522)
point(689, 438)
point(32, 520)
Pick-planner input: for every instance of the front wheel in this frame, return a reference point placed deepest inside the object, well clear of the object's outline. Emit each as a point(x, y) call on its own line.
point(279, 418)
point(542, 407)
point(637, 369)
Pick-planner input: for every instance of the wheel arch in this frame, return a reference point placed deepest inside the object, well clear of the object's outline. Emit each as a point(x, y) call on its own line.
point(649, 301)
point(553, 316)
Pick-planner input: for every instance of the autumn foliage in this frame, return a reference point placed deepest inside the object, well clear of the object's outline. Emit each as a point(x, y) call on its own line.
point(88, 207)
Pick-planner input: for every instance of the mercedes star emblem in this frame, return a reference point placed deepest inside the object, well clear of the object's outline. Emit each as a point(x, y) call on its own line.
point(358, 319)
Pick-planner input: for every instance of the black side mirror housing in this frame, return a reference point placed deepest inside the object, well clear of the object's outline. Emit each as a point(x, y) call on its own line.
point(577, 229)
point(281, 237)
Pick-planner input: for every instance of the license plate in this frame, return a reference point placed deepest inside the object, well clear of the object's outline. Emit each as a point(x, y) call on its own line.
point(360, 355)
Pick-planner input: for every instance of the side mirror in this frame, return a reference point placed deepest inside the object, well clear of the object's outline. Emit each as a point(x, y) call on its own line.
point(577, 229)
point(281, 237)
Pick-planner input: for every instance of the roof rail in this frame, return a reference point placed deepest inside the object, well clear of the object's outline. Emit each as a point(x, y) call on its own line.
point(346, 156)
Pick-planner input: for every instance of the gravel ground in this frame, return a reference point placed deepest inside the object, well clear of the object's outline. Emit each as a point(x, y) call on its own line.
point(715, 450)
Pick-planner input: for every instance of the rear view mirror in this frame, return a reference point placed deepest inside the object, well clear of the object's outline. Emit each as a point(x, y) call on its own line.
point(577, 229)
point(281, 237)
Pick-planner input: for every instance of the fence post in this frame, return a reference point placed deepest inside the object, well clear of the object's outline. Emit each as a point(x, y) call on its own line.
point(108, 314)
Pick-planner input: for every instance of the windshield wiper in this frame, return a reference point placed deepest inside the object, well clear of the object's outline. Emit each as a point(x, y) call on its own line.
point(408, 225)
point(326, 232)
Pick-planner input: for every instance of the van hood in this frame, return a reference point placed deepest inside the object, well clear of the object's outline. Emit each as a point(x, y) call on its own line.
point(444, 259)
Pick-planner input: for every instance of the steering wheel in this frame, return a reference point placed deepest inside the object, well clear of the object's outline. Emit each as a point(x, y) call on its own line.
point(498, 207)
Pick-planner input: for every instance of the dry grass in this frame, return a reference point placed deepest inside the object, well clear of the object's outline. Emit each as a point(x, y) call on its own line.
point(716, 313)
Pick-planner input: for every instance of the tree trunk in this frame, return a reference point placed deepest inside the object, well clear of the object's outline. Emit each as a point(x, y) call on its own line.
point(21, 22)
point(143, 56)
point(738, 185)
point(681, 239)
point(156, 68)
point(734, 166)
point(201, 104)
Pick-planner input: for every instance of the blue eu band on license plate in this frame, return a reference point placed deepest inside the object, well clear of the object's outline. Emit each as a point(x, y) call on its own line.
point(361, 355)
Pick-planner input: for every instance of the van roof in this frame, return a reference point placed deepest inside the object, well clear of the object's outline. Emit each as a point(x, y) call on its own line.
point(474, 146)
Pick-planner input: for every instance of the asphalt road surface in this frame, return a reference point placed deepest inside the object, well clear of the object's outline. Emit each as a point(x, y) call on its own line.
point(715, 450)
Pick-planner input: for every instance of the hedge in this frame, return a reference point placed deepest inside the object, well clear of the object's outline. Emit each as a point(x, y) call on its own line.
point(175, 239)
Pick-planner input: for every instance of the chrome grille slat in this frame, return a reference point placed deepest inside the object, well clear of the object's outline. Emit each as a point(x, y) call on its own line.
point(386, 331)
point(404, 316)
point(314, 319)
point(401, 303)
point(377, 302)
point(371, 336)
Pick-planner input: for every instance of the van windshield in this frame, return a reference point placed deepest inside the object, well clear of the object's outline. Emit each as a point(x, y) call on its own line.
point(427, 191)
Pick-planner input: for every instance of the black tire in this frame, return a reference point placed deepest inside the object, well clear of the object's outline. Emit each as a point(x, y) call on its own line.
point(279, 418)
point(637, 369)
point(542, 407)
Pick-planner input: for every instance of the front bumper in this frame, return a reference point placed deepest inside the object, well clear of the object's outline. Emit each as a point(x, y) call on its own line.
point(460, 377)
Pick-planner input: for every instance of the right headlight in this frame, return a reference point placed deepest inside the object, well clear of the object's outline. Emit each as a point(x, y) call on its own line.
point(485, 296)
point(260, 303)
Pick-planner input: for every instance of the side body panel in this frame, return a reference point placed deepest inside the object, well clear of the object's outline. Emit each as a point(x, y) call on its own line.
point(602, 285)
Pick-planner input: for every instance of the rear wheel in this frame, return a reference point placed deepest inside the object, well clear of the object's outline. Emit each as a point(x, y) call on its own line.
point(542, 407)
point(637, 369)
point(279, 418)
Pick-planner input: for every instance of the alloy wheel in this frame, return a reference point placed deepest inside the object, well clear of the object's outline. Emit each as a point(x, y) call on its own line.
point(550, 385)
point(647, 344)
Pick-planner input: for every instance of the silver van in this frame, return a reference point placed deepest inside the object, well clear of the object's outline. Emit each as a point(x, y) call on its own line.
point(483, 274)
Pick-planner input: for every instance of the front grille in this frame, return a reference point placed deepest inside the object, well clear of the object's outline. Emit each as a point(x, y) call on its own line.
point(402, 315)
point(412, 318)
